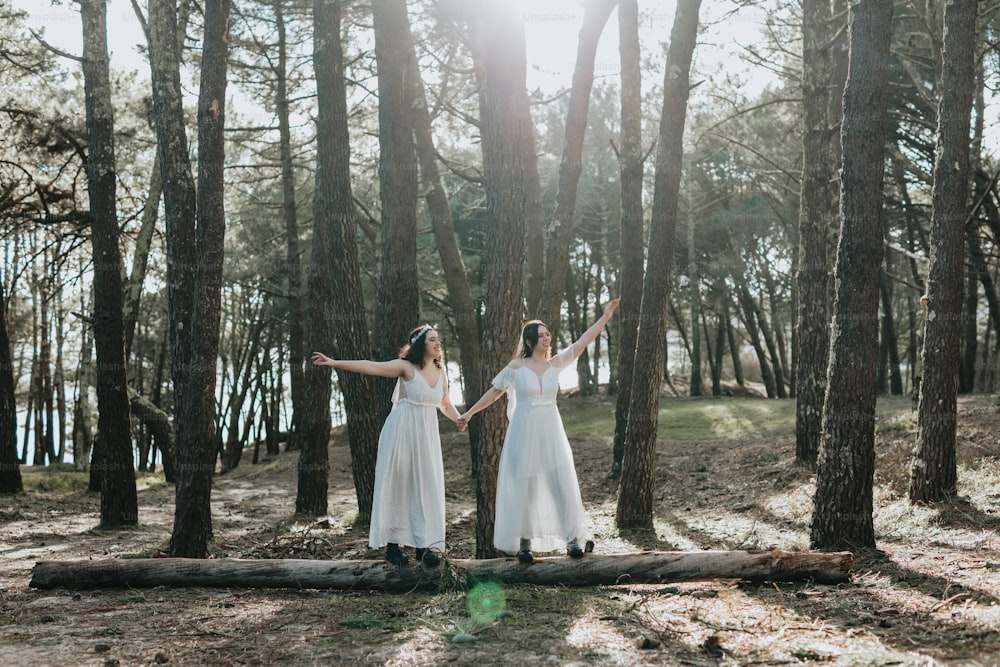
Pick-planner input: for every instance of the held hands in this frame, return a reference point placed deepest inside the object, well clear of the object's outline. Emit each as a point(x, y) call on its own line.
point(320, 359)
point(463, 421)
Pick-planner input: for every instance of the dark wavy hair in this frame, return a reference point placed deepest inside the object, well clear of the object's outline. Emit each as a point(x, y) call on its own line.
point(529, 338)
point(416, 346)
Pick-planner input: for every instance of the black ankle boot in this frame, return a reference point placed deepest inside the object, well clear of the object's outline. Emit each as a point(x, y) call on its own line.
point(428, 557)
point(524, 555)
point(573, 549)
point(394, 555)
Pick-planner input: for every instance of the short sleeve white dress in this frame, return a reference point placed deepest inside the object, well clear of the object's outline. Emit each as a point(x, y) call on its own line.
point(408, 504)
point(538, 495)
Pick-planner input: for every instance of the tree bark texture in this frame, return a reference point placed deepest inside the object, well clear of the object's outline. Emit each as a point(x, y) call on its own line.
point(289, 213)
point(119, 500)
point(335, 293)
point(10, 465)
point(817, 225)
point(631, 237)
point(560, 237)
point(651, 567)
point(502, 101)
point(398, 304)
point(196, 440)
point(842, 505)
point(933, 470)
point(635, 500)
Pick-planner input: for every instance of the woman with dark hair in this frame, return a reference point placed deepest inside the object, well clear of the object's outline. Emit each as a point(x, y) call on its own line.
point(538, 496)
point(408, 504)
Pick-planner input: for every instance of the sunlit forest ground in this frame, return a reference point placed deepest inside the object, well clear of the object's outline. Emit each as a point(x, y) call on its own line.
point(726, 480)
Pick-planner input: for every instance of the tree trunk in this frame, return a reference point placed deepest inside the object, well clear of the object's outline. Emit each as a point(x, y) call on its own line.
point(970, 332)
point(399, 295)
point(933, 471)
point(335, 287)
point(289, 213)
point(817, 224)
point(631, 236)
point(10, 469)
point(694, 295)
point(889, 364)
point(635, 501)
point(119, 501)
point(502, 102)
point(140, 256)
point(463, 306)
point(750, 319)
point(648, 567)
point(595, 16)
point(842, 505)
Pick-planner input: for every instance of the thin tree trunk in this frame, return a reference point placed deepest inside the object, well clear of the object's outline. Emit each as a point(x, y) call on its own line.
point(460, 298)
point(119, 500)
point(933, 471)
point(595, 16)
point(635, 500)
point(842, 505)
point(289, 213)
point(631, 236)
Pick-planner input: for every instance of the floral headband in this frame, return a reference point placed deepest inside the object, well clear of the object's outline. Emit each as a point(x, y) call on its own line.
point(419, 333)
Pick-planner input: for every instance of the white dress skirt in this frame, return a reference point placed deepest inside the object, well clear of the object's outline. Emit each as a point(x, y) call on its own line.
point(408, 503)
point(538, 495)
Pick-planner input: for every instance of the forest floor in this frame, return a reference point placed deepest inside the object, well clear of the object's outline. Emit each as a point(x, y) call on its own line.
point(726, 479)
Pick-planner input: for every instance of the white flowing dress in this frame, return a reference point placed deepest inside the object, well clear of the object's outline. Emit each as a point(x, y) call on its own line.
point(538, 495)
point(408, 503)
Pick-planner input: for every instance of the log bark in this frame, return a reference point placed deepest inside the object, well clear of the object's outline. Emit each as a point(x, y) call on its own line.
point(651, 567)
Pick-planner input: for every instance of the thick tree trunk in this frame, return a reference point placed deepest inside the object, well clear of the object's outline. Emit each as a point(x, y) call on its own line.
point(631, 236)
point(399, 295)
point(650, 567)
point(119, 501)
point(842, 505)
point(635, 500)
point(817, 226)
point(335, 288)
point(933, 471)
point(10, 468)
point(595, 16)
point(502, 101)
point(196, 436)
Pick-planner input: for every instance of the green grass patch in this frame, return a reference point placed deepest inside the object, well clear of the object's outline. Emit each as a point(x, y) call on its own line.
point(54, 481)
point(704, 419)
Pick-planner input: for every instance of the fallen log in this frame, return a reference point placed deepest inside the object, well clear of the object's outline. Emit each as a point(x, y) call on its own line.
point(592, 570)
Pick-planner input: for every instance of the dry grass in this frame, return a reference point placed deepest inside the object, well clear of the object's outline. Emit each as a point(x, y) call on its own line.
point(927, 596)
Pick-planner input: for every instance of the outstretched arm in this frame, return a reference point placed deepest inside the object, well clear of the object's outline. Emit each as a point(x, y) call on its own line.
point(590, 334)
point(388, 369)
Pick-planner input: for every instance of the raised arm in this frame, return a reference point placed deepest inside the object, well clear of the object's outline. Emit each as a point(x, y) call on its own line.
point(590, 334)
point(389, 369)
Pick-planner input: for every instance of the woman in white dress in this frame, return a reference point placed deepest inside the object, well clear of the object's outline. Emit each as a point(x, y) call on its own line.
point(538, 500)
point(408, 503)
